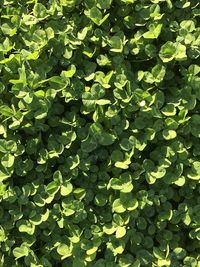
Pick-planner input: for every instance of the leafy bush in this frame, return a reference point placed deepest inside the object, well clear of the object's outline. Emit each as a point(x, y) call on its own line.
point(99, 133)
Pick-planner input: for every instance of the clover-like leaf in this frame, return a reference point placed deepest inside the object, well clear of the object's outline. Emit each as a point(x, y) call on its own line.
point(96, 15)
point(52, 188)
point(169, 110)
point(120, 232)
point(158, 72)
point(89, 144)
point(66, 188)
point(20, 252)
point(25, 226)
point(167, 51)
point(169, 134)
point(64, 250)
point(116, 44)
point(180, 54)
point(117, 206)
point(154, 31)
point(107, 139)
point(7, 160)
point(188, 25)
point(99, 133)
point(39, 11)
point(100, 200)
point(194, 173)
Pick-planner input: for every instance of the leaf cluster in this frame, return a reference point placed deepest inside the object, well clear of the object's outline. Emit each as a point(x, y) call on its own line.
point(99, 133)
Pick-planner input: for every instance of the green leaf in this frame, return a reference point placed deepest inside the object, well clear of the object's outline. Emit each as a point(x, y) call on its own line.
point(70, 71)
point(3, 236)
point(89, 100)
point(4, 173)
point(124, 183)
point(167, 51)
point(170, 51)
point(6, 46)
point(141, 223)
point(107, 139)
point(20, 252)
point(103, 60)
point(103, 102)
point(117, 155)
point(73, 161)
point(68, 212)
point(164, 262)
point(116, 44)
point(188, 25)
point(52, 188)
point(57, 177)
point(169, 110)
point(96, 130)
point(180, 181)
point(7, 160)
point(158, 72)
point(120, 232)
point(100, 200)
point(25, 226)
point(169, 134)
point(104, 4)
point(180, 252)
point(36, 220)
point(129, 201)
point(8, 29)
point(95, 15)
point(67, 3)
point(115, 184)
point(117, 206)
point(190, 261)
point(66, 188)
point(109, 229)
point(180, 52)
point(39, 11)
point(194, 173)
point(6, 111)
point(154, 31)
point(79, 193)
point(58, 83)
point(89, 145)
point(64, 250)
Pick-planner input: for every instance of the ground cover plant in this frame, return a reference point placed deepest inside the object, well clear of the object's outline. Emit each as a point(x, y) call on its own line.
point(99, 133)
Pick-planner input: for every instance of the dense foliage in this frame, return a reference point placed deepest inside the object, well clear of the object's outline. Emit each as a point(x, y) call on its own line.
point(99, 133)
